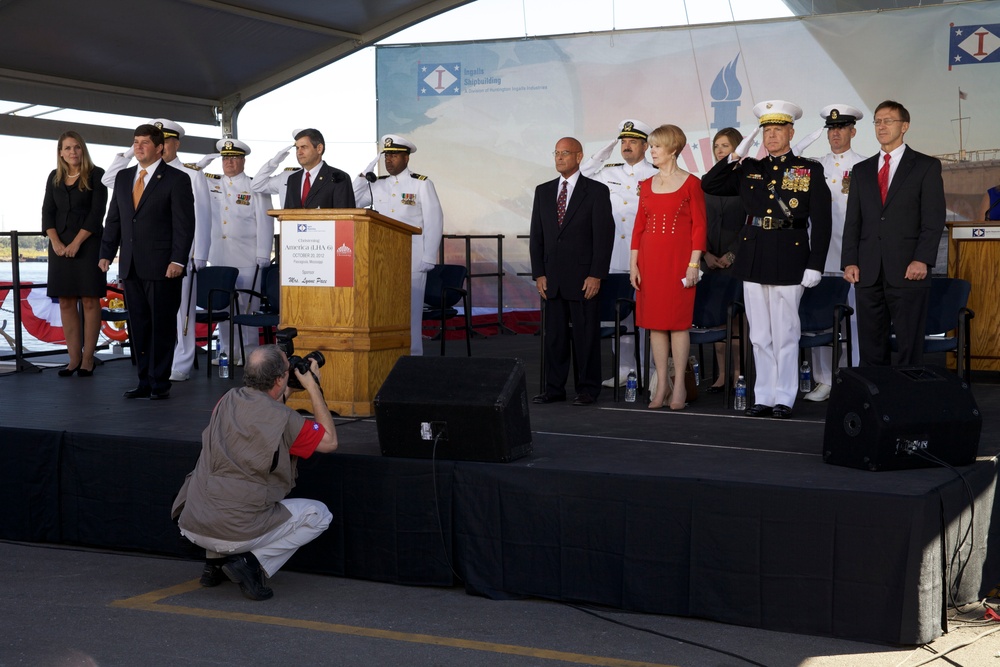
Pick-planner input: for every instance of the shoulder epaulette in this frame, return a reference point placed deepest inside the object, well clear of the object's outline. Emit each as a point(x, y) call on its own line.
point(193, 166)
point(419, 177)
point(208, 175)
point(292, 168)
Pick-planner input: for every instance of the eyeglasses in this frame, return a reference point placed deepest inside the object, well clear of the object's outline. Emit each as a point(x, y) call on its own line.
point(885, 121)
point(564, 153)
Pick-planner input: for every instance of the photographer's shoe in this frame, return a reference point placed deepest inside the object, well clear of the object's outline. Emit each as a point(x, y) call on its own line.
point(245, 570)
point(213, 575)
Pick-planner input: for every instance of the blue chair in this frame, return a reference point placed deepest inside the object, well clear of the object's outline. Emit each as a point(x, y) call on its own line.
point(825, 318)
point(718, 310)
point(947, 311)
point(267, 313)
point(214, 291)
point(442, 292)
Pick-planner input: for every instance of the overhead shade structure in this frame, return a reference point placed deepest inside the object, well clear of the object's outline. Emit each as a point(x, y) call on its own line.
point(194, 61)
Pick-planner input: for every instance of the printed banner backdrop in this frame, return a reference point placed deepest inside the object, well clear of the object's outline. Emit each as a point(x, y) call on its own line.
point(486, 115)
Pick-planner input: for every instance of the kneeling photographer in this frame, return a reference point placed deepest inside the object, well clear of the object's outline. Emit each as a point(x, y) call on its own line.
point(233, 503)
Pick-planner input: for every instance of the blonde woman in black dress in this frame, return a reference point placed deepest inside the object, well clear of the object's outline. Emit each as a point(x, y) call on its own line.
point(72, 215)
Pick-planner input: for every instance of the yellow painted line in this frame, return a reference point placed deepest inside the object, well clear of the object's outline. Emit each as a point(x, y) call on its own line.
point(150, 602)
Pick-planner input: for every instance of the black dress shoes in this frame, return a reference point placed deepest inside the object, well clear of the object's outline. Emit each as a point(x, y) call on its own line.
point(547, 398)
point(138, 392)
point(159, 395)
point(245, 570)
point(781, 412)
point(584, 399)
point(758, 410)
point(213, 575)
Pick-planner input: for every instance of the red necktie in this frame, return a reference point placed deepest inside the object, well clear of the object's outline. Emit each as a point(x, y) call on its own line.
point(883, 177)
point(305, 189)
point(561, 204)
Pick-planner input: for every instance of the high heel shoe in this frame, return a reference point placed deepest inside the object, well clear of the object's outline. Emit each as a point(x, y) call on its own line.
point(67, 372)
point(84, 373)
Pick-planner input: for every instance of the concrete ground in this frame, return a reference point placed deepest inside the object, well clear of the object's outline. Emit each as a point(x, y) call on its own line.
point(64, 606)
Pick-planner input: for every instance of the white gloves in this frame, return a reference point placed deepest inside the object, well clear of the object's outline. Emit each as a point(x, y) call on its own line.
point(282, 154)
point(425, 267)
point(207, 160)
point(811, 278)
point(263, 261)
point(603, 154)
point(370, 169)
point(744, 148)
point(199, 264)
point(128, 153)
point(807, 141)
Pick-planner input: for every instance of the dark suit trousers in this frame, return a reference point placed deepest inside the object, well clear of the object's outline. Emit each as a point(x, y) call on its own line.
point(582, 340)
point(906, 309)
point(152, 309)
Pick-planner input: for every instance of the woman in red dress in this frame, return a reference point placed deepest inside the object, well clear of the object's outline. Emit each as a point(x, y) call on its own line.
point(667, 242)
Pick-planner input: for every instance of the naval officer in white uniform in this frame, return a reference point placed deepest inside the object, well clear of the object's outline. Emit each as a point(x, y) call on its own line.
point(837, 165)
point(410, 198)
point(622, 179)
point(172, 134)
point(242, 231)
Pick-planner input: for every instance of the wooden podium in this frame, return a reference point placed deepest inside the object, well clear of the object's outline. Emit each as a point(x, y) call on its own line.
point(345, 286)
point(973, 255)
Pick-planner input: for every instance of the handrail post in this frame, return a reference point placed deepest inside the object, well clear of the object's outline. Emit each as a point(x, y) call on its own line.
point(15, 273)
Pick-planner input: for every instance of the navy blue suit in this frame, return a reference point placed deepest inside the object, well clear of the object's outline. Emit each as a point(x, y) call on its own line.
point(567, 255)
point(881, 240)
point(332, 188)
point(147, 239)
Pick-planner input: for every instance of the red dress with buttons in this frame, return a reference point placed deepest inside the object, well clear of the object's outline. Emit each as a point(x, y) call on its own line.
point(668, 227)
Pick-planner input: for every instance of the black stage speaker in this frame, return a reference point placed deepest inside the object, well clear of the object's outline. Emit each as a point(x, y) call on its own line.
point(476, 408)
point(881, 418)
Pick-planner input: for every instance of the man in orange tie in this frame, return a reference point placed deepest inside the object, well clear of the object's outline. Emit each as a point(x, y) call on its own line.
point(895, 218)
point(151, 221)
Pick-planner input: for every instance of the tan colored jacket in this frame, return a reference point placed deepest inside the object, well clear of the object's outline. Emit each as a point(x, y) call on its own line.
point(244, 469)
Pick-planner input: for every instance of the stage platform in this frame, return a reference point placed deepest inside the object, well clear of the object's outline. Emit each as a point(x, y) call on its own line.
point(701, 512)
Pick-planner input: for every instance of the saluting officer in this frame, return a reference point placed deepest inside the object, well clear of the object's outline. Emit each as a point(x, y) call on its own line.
point(242, 231)
point(838, 163)
point(410, 198)
point(622, 179)
point(779, 256)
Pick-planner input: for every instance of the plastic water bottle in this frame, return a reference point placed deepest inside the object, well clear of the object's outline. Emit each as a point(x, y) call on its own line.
point(697, 370)
point(631, 386)
point(223, 365)
point(740, 403)
point(805, 378)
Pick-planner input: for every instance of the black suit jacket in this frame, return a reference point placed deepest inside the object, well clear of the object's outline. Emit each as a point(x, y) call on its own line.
point(157, 232)
point(69, 211)
point(581, 248)
point(332, 189)
point(908, 227)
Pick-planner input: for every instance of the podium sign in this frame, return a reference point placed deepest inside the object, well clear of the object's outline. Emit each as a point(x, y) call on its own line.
point(345, 286)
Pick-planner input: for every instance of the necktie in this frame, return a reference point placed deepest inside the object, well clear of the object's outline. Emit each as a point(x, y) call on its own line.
point(138, 188)
point(305, 189)
point(883, 177)
point(561, 204)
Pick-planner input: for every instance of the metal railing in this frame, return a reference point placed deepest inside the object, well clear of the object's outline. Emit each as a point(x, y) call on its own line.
point(19, 356)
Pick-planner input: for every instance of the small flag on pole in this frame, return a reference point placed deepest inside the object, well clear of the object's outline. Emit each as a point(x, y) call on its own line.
point(962, 95)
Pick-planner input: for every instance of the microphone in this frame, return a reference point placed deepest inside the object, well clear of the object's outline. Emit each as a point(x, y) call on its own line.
point(371, 177)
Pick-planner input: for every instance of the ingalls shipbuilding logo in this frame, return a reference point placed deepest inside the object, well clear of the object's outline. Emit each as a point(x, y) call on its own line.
point(726, 92)
point(439, 79)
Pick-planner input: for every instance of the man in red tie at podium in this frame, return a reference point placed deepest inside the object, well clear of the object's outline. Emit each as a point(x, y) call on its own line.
point(895, 218)
point(315, 185)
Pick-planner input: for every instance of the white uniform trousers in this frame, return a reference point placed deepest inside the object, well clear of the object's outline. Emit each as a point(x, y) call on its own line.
point(773, 316)
point(822, 357)
point(273, 549)
point(184, 348)
point(251, 336)
point(418, 280)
